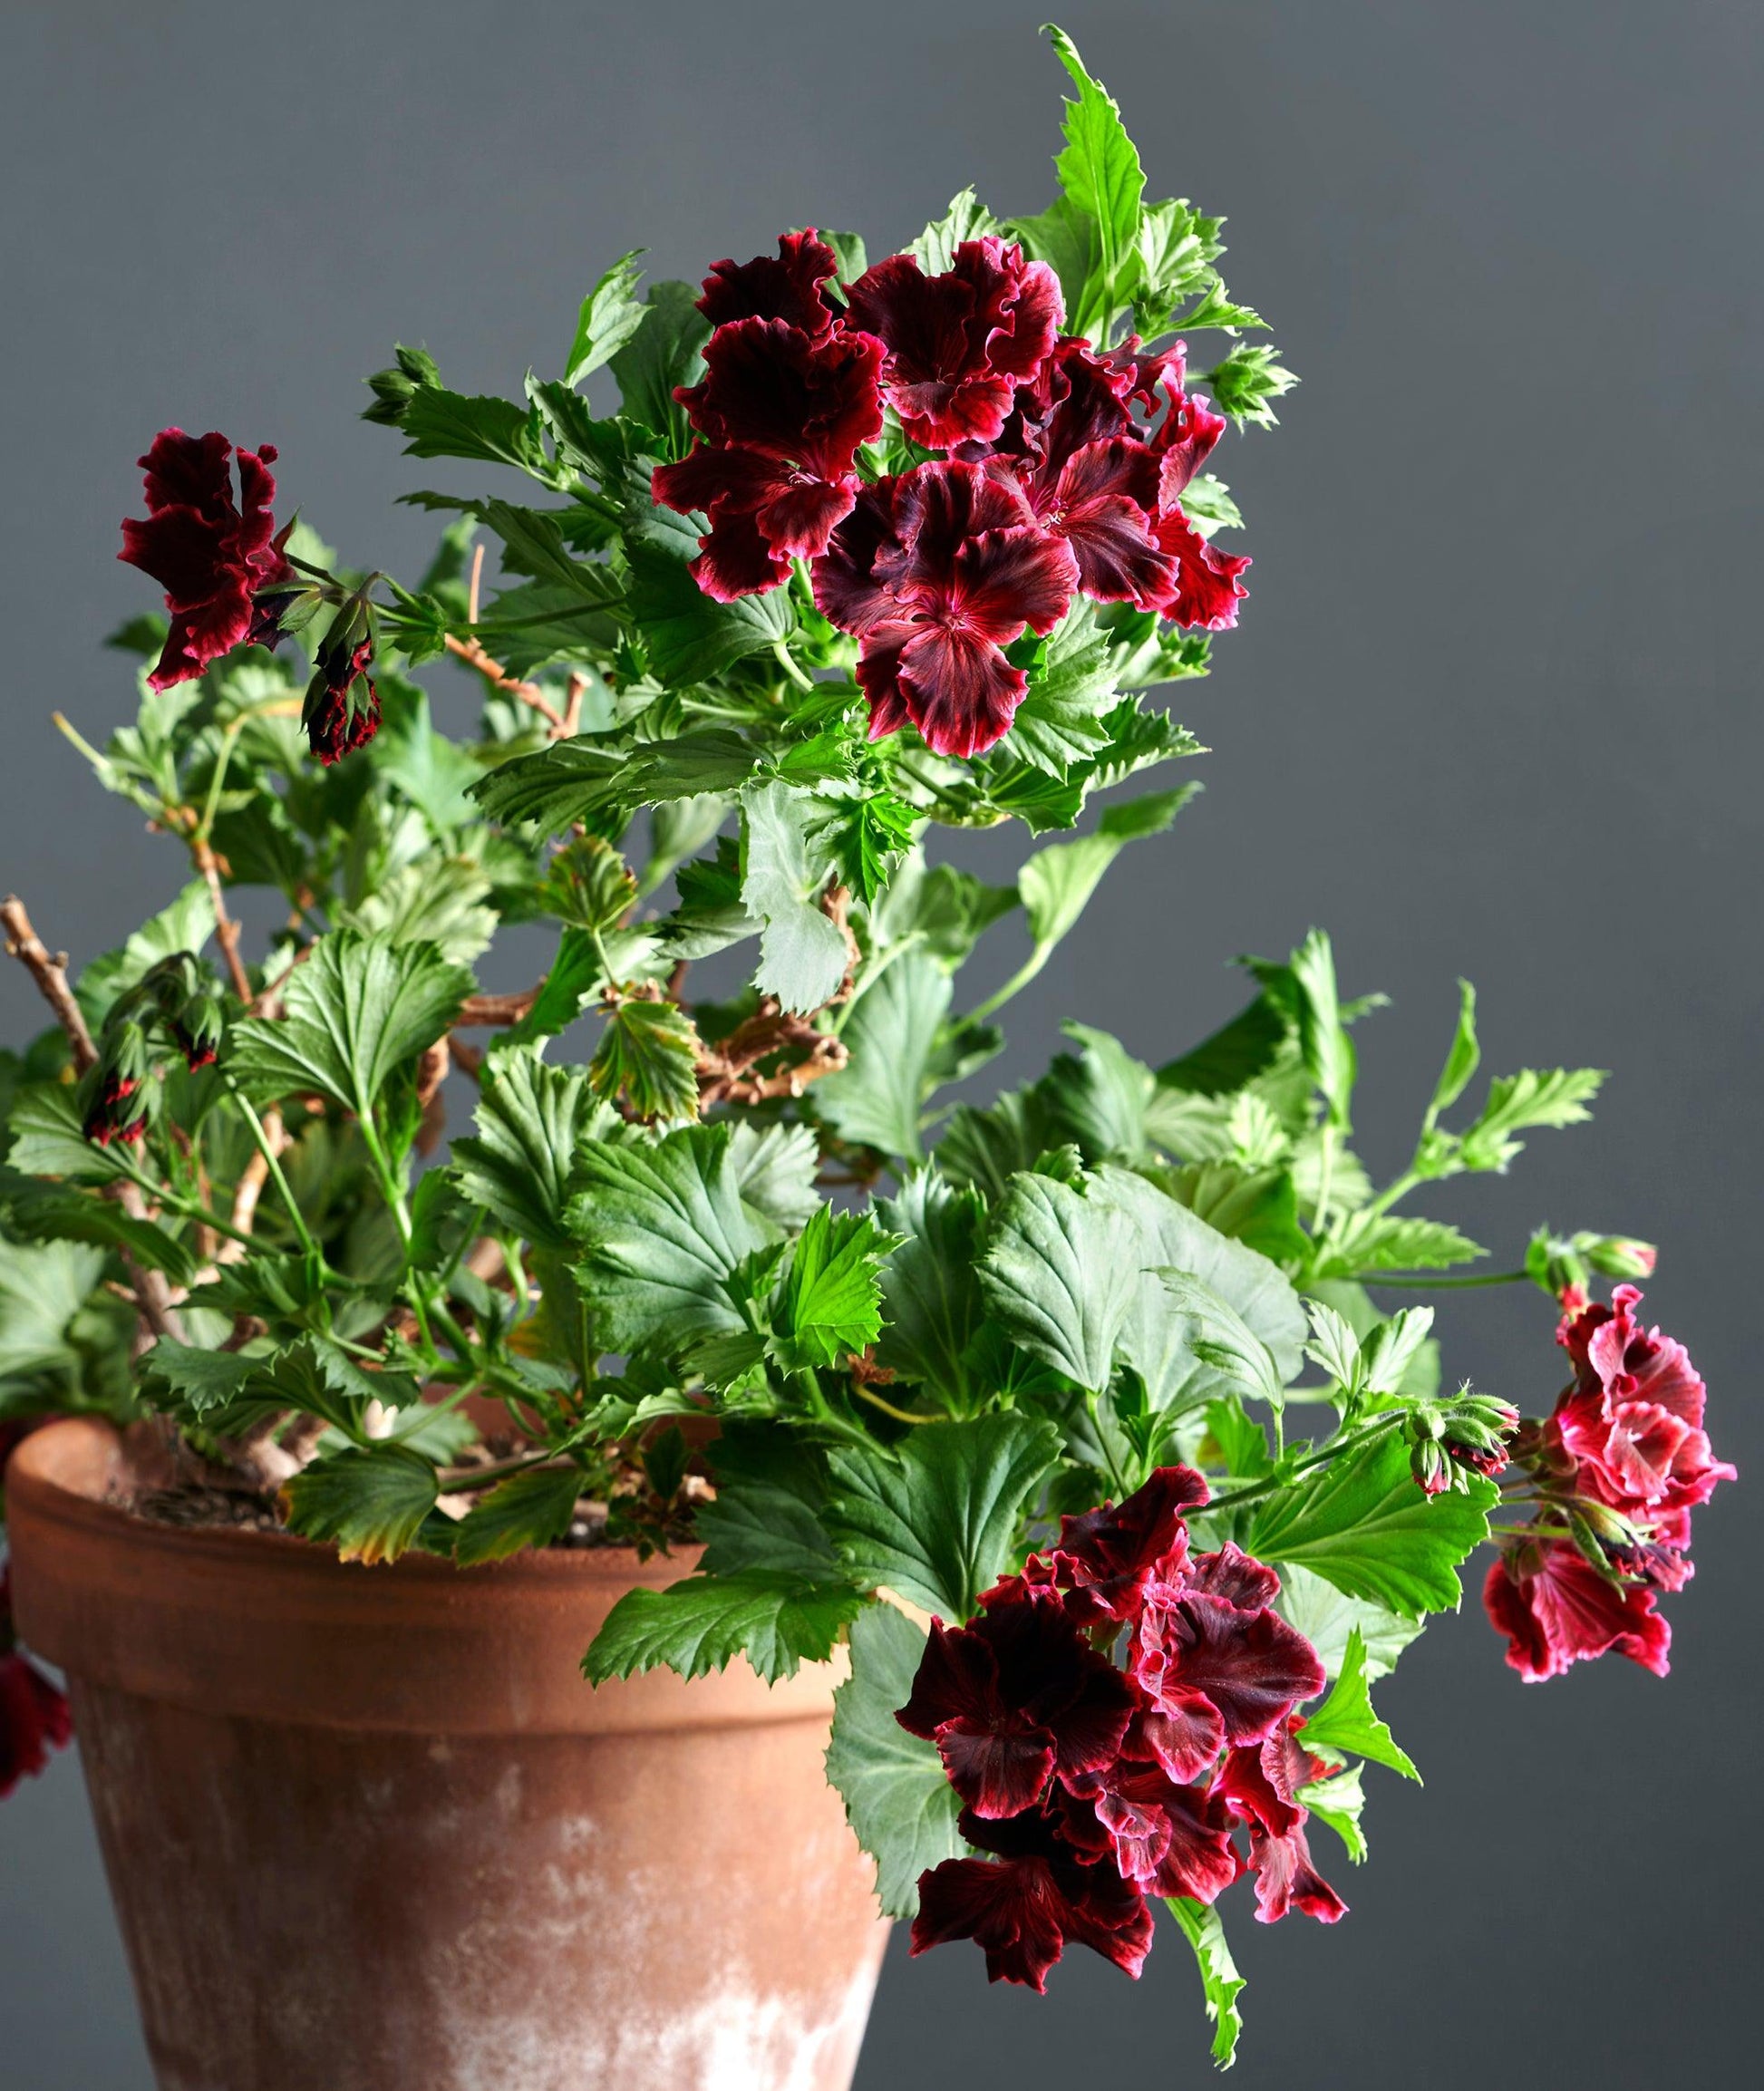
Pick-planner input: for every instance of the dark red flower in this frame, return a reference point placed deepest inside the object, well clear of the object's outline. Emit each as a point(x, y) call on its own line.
point(782, 415)
point(1260, 1783)
point(1168, 1837)
point(1206, 590)
point(342, 711)
point(1023, 1906)
point(209, 551)
point(1285, 1878)
point(1250, 1665)
point(1633, 1420)
point(959, 344)
point(1556, 1609)
point(1015, 1700)
point(936, 572)
point(785, 286)
point(34, 1716)
point(1106, 1558)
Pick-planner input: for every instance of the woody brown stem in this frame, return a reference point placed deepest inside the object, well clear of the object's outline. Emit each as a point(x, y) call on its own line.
point(50, 973)
point(431, 1073)
point(472, 653)
point(226, 931)
point(492, 1012)
point(728, 1072)
point(250, 1186)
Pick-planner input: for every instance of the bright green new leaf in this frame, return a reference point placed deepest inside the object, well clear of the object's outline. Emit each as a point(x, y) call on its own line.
point(358, 1007)
point(1057, 881)
point(966, 219)
point(935, 1519)
point(1553, 1096)
point(787, 859)
point(1100, 174)
point(530, 1509)
point(897, 1797)
point(444, 424)
point(1219, 1980)
point(440, 901)
point(1345, 1720)
point(1362, 1242)
point(776, 1620)
point(369, 1499)
point(1461, 1062)
point(610, 315)
point(1340, 1801)
point(1362, 1522)
point(831, 1301)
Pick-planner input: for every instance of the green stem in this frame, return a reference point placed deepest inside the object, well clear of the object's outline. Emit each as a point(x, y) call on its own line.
point(888, 1408)
point(1323, 1174)
point(1018, 981)
point(1427, 1284)
point(1351, 1442)
point(185, 1209)
point(484, 1476)
point(273, 1165)
point(792, 668)
point(1388, 1197)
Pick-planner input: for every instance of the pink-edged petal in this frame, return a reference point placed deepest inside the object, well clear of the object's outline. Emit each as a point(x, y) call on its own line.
point(1286, 1879)
point(879, 676)
point(1555, 1609)
point(957, 1680)
point(1189, 433)
point(1237, 1577)
point(1183, 1733)
point(998, 1770)
point(961, 691)
point(1207, 587)
point(938, 414)
point(1253, 1666)
point(734, 559)
point(848, 589)
point(1005, 579)
point(190, 472)
point(800, 517)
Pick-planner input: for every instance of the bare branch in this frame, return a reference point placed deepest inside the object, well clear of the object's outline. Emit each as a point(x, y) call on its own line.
point(50, 973)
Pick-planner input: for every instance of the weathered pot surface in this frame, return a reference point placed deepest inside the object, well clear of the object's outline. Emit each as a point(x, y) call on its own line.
point(367, 1828)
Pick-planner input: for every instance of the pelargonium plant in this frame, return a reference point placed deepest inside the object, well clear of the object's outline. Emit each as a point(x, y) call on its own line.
point(1097, 1424)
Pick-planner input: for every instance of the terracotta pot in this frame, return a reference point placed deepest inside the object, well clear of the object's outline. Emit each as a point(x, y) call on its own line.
point(368, 1829)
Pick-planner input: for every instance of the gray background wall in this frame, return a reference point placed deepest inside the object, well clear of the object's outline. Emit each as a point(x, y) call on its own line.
point(1492, 710)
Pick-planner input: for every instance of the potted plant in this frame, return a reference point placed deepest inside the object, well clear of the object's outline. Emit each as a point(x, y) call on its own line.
point(991, 1517)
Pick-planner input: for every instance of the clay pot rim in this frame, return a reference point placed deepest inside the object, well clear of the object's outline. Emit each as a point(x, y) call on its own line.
point(54, 1469)
point(266, 1627)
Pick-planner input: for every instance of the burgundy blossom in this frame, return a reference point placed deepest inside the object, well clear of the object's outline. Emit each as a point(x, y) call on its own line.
point(1168, 1837)
point(1014, 1701)
point(1285, 1878)
point(1207, 589)
point(1023, 1907)
point(1261, 1786)
point(1555, 1609)
point(1250, 1664)
point(959, 343)
point(209, 551)
point(781, 414)
point(34, 1716)
point(785, 286)
point(936, 572)
point(1106, 1558)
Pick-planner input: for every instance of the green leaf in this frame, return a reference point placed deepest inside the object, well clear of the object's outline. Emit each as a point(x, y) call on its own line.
point(877, 1098)
point(966, 219)
point(665, 352)
point(648, 1053)
point(609, 317)
point(435, 773)
point(358, 1007)
point(1328, 1619)
point(1206, 502)
point(530, 1120)
point(575, 780)
point(1553, 1096)
point(200, 1380)
point(935, 1521)
point(57, 1213)
point(1345, 1720)
point(929, 1289)
point(1339, 1802)
point(41, 1287)
point(1362, 1242)
point(187, 925)
point(1362, 1522)
point(776, 1620)
point(588, 884)
point(771, 1486)
point(444, 424)
point(530, 1509)
point(47, 1141)
point(1061, 1276)
point(1219, 1980)
point(1325, 1045)
point(1056, 882)
point(1235, 1055)
point(1099, 172)
point(831, 1301)
point(439, 901)
point(897, 1797)
point(689, 637)
point(1222, 1339)
point(369, 1500)
point(787, 861)
point(775, 1167)
point(1461, 1062)
point(665, 1229)
point(1256, 1206)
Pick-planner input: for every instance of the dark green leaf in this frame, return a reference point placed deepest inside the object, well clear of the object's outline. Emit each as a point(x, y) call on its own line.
point(777, 1621)
point(530, 1120)
point(530, 1509)
point(929, 1289)
point(648, 1053)
point(369, 1500)
point(877, 1099)
point(1061, 1276)
point(690, 637)
point(665, 352)
point(897, 1797)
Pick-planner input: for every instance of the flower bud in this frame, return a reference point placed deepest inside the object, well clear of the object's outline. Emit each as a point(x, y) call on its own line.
point(117, 1108)
point(1617, 1255)
point(1556, 1264)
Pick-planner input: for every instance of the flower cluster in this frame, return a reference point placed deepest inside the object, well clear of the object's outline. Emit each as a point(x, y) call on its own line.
point(1625, 1455)
point(1062, 471)
point(1091, 1785)
point(174, 996)
point(34, 1716)
point(211, 553)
